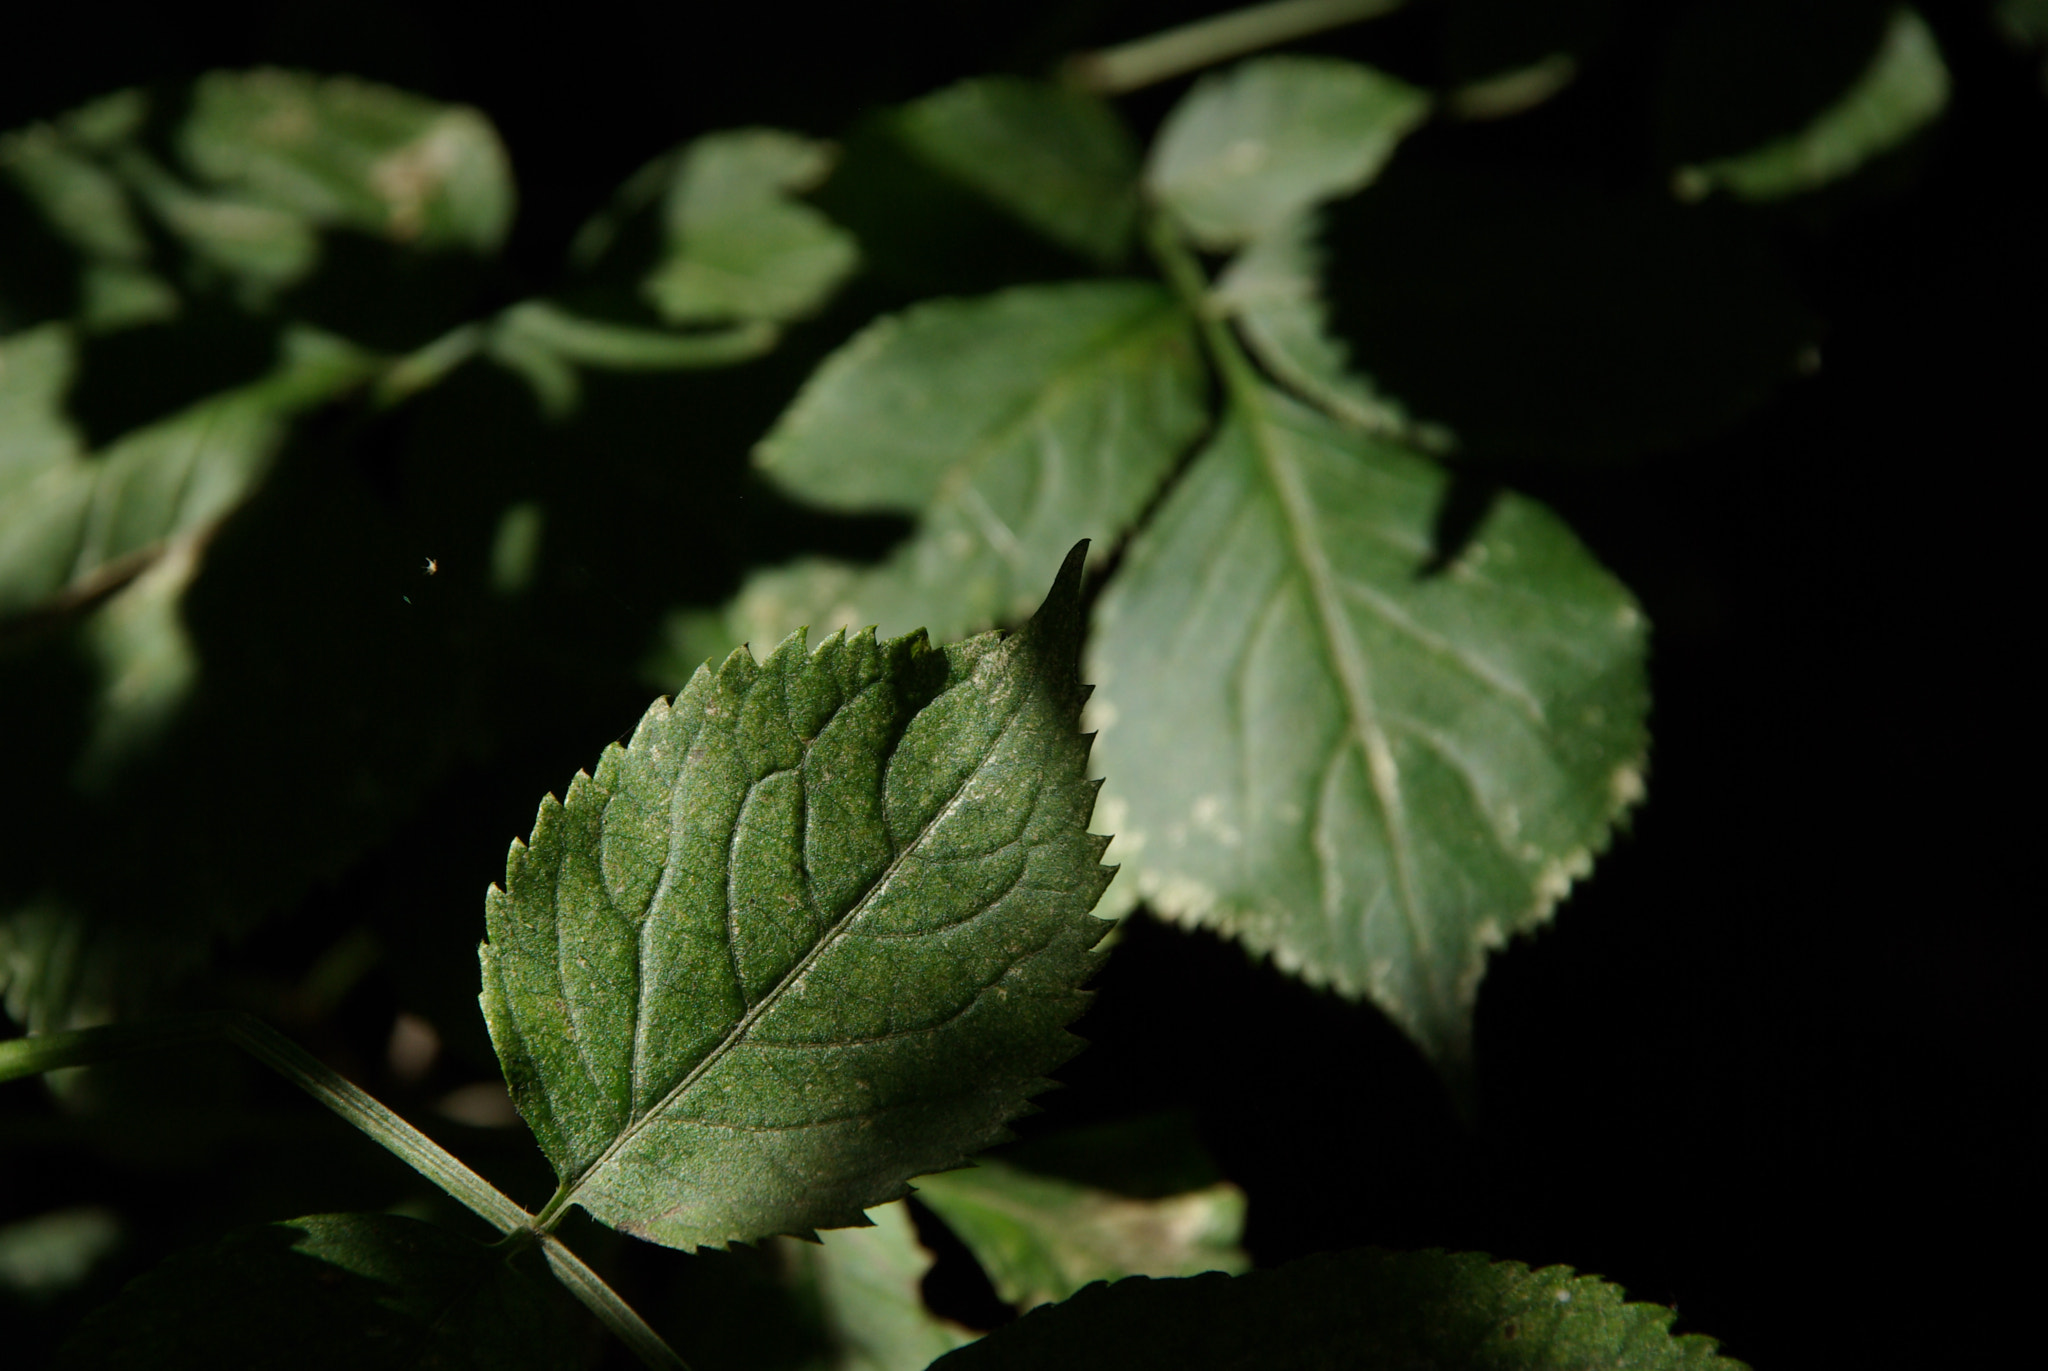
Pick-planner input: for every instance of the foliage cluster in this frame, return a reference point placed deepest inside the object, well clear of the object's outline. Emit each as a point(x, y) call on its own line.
point(817, 929)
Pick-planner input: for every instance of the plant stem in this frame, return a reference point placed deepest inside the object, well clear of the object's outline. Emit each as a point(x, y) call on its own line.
point(1163, 56)
point(87, 1046)
point(1184, 274)
point(613, 1312)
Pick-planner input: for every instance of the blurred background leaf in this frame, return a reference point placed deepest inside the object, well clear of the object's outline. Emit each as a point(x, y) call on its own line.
point(1904, 89)
point(1041, 1239)
point(1251, 147)
point(1060, 161)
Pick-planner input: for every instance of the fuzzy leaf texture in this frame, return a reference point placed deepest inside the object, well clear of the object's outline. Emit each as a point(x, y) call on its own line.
point(818, 928)
point(1445, 1311)
point(1369, 768)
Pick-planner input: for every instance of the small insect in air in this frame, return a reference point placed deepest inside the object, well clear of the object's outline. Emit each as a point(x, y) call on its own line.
point(432, 566)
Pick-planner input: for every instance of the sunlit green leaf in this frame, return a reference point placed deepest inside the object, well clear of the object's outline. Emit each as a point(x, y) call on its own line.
point(1041, 1238)
point(338, 151)
point(739, 246)
point(1369, 768)
point(815, 930)
point(1273, 291)
point(1905, 88)
point(1056, 158)
point(869, 1284)
point(1445, 1311)
point(357, 1291)
point(1252, 147)
point(1011, 424)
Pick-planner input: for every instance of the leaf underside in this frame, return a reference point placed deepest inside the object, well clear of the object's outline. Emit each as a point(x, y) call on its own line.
point(1446, 1311)
point(1368, 768)
point(816, 929)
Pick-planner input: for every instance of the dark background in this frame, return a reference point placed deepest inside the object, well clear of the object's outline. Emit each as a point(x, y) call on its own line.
point(1766, 1065)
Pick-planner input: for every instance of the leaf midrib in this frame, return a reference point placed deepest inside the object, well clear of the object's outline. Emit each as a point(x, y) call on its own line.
point(1340, 646)
point(745, 1024)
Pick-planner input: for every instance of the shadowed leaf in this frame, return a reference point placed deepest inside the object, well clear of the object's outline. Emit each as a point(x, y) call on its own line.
point(1059, 160)
point(357, 1291)
point(1446, 1311)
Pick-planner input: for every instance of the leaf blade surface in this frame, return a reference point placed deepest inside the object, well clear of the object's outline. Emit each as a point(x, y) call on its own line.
point(1369, 773)
point(1011, 423)
point(1249, 148)
point(817, 929)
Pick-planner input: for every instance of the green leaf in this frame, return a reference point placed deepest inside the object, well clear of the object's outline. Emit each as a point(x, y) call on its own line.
point(341, 152)
point(1272, 291)
point(357, 1291)
point(869, 1283)
point(1369, 769)
point(816, 930)
point(1041, 1239)
point(1011, 424)
point(739, 247)
point(69, 522)
point(1056, 158)
point(1904, 89)
point(1447, 1311)
point(1250, 148)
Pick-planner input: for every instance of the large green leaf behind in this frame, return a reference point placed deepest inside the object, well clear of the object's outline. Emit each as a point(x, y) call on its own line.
point(816, 930)
point(1011, 424)
point(1372, 769)
point(1444, 1311)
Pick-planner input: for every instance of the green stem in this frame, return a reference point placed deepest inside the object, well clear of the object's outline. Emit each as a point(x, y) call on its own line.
point(1176, 52)
point(1185, 275)
point(557, 1208)
point(89, 1046)
point(601, 1300)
